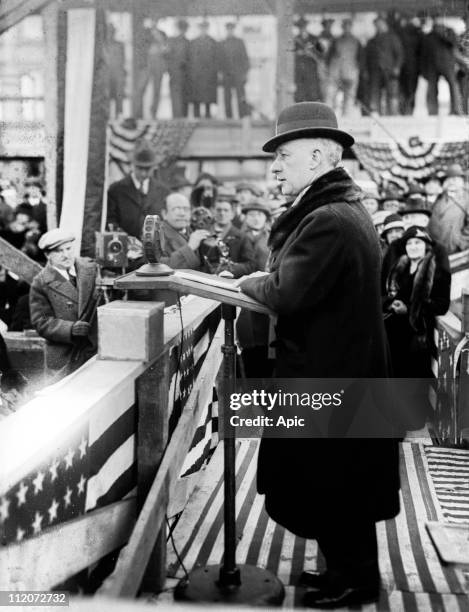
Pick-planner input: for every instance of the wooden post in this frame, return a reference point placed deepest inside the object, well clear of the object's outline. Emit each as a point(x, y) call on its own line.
point(465, 311)
point(285, 54)
point(50, 22)
point(152, 439)
point(137, 61)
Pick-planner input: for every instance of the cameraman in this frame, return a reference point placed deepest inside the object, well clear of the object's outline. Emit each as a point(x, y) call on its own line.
point(236, 249)
point(181, 244)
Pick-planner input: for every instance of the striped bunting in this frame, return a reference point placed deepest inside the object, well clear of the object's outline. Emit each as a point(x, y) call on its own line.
point(412, 575)
point(449, 470)
point(167, 137)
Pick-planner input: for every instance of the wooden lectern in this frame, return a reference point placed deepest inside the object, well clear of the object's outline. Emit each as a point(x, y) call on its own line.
point(228, 582)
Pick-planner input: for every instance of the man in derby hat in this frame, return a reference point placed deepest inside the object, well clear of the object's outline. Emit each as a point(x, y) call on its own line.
point(324, 286)
point(63, 303)
point(137, 195)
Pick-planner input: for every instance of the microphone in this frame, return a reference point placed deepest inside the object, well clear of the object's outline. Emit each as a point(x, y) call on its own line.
point(153, 242)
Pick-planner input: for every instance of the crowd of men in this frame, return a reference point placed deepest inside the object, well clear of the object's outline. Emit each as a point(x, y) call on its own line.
point(196, 67)
point(382, 75)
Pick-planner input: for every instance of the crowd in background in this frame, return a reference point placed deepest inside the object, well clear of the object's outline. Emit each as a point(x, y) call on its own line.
point(382, 75)
point(224, 229)
point(196, 67)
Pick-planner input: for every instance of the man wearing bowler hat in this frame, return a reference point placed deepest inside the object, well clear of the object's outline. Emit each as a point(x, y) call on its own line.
point(324, 286)
point(137, 195)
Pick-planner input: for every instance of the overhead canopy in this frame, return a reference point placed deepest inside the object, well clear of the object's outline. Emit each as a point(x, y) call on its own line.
point(188, 8)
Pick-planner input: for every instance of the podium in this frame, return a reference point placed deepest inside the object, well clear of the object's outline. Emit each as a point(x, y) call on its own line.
point(228, 582)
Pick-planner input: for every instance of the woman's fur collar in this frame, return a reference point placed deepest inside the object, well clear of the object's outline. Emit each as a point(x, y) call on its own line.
point(334, 186)
point(422, 285)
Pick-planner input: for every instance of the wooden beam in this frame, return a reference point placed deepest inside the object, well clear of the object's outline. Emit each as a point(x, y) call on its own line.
point(50, 24)
point(18, 262)
point(179, 8)
point(14, 11)
point(285, 54)
point(152, 440)
point(126, 579)
point(204, 8)
point(58, 553)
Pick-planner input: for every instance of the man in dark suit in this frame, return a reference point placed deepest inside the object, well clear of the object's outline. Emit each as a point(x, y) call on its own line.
point(324, 286)
point(137, 195)
point(63, 303)
point(181, 244)
point(234, 68)
point(204, 63)
point(384, 58)
point(178, 68)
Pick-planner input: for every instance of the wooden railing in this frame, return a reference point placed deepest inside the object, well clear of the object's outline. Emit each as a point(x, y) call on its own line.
point(82, 407)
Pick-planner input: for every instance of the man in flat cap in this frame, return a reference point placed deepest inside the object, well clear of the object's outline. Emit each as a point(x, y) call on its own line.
point(324, 286)
point(63, 303)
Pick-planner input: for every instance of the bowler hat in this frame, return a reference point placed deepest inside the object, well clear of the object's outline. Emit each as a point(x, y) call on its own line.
point(256, 205)
point(416, 205)
point(307, 120)
point(144, 157)
point(54, 238)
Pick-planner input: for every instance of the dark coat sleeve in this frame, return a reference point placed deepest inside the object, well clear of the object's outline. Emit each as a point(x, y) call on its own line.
point(439, 300)
point(112, 207)
point(43, 318)
point(183, 258)
point(296, 285)
point(246, 258)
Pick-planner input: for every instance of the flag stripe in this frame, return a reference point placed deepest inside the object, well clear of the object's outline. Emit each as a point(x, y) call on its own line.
point(120, 488)
point(114, 436)
point(122, 459)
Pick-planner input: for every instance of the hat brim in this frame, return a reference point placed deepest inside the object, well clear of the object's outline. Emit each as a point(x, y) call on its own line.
point(55, 245)
point(143, 164)
point(344, 139)
point(423, 211)
point(246, 209)
point(393, 225)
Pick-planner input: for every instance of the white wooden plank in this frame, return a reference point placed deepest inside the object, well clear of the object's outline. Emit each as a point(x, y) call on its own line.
point(44, 561)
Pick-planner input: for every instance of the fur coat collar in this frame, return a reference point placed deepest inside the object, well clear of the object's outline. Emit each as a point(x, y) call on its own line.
point(421, 289)
point(334, 186)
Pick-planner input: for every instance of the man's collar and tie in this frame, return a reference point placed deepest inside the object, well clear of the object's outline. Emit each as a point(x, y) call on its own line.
point(141, 186)
point(69, 275)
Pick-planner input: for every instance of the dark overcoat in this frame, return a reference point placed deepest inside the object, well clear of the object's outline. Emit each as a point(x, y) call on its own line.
point(55, 305)
point(177, 252)
point(127, 207)
point(234, 60)
point(204, 63)
point(324, 286)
